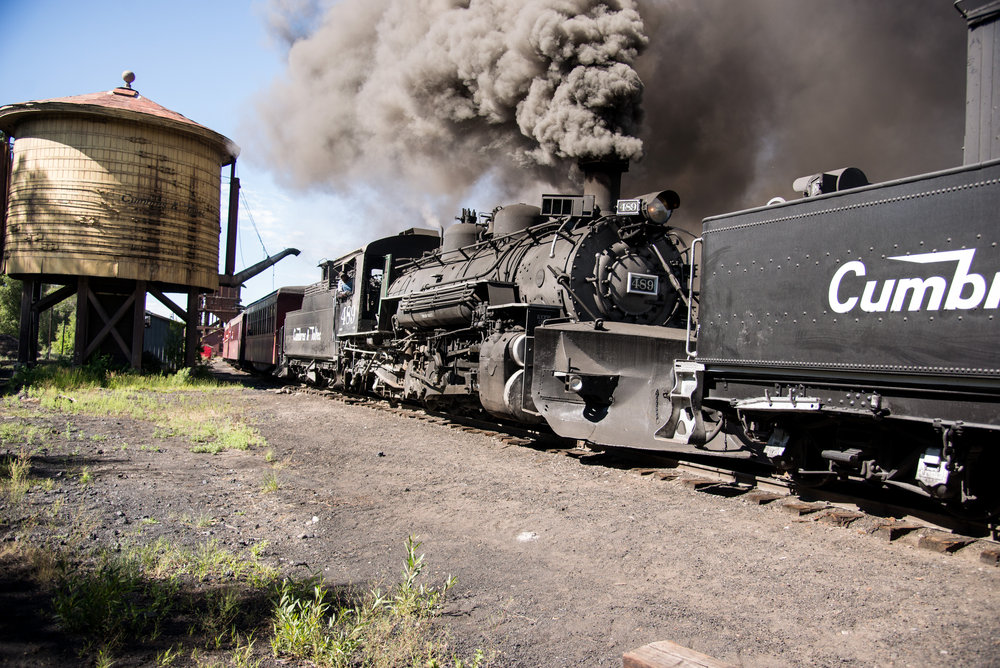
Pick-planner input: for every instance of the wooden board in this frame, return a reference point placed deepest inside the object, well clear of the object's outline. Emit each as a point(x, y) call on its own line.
point(666, 654)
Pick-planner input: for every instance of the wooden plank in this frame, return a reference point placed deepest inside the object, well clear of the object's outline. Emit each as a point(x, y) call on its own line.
point(893, 530)
point(942, 542)
point(801, 508)
point(666, 654)
point(841, 517)
point(696, 483)
point(761, 497)
point(991, 556)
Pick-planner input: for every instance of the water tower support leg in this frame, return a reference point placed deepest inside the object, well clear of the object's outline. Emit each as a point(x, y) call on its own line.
point(27, 347)
point(138, 323)
point(82, 320)
point(191, 329)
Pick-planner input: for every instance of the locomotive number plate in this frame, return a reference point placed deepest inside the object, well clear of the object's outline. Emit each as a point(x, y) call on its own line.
point(628, 207)
point(643, 284)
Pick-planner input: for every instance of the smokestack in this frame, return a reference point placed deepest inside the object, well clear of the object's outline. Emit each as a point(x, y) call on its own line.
point(982, 115)
point(602, 178)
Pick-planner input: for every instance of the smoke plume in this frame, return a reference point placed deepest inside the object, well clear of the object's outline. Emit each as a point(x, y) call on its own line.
point(743, 97)
point(725, 102)
point(441, 94)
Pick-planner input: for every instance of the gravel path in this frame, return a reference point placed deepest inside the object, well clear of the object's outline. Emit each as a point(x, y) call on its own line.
point(559, 563)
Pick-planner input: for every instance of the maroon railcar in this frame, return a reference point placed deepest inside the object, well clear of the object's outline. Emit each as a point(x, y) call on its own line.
point(232, 340)
point(253, 339)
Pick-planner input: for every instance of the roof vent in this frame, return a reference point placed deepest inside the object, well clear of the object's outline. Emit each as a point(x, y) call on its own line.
point(128, 76)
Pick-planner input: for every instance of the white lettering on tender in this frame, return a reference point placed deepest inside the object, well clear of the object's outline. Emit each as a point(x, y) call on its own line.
point(838, 306)
point(310, 333)
point(967, 290)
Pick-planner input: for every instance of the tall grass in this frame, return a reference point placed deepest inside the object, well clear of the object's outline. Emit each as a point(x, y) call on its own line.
point(14, 471)
point(378, 629)
point(207, 599)
point(132, 595)
point(189, 404)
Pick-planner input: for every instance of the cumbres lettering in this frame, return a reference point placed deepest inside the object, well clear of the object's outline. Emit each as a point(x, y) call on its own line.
point(961, 290)
point(157, 204)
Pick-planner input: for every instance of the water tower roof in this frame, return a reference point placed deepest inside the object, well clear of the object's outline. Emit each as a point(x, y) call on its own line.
point(124, 103)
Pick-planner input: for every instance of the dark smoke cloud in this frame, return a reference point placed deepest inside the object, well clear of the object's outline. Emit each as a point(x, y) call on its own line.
point(434, 97)
point(743, 97)
point(440, 94)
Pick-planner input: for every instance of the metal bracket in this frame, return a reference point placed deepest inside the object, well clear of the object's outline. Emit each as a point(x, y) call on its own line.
point(791, 402)
point(784, 404)
point(686, 424)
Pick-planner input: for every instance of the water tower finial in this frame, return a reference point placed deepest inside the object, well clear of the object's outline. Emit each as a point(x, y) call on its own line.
point(128, 76)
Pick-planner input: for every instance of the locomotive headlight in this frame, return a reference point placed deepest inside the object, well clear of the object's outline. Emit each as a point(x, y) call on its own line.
point(658, 206)
point(574, 383)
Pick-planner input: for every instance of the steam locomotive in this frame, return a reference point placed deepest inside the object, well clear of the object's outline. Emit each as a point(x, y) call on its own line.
point(848, 334)
point(851, 334)
point(450, 321)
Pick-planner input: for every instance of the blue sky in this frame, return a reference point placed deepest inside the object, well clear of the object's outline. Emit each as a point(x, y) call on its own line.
point(206, 59)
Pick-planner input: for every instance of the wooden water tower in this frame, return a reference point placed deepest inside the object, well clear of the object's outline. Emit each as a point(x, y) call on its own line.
point(111, 196)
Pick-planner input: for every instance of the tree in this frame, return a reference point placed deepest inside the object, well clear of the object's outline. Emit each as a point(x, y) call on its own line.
point(57, 329)
point(56, 326)
point(10, 306)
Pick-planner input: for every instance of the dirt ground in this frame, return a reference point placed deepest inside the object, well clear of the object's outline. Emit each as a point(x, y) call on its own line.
point(559, 563)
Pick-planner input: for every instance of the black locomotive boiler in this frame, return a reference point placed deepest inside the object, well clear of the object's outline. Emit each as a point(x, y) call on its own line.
point(408, 319)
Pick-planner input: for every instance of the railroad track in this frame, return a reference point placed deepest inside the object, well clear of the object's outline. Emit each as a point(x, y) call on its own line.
point(871, 510)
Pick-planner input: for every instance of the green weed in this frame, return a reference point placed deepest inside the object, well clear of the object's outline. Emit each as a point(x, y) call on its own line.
point(270, 483)
point(14, 471)
point(168, 656)
point(203, 521)
point(186, 404)
point(19, 433)
point(112, 602)
point(243, 651)
point(390, 629)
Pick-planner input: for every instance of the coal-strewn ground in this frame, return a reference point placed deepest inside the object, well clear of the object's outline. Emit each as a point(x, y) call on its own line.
point(559, 563)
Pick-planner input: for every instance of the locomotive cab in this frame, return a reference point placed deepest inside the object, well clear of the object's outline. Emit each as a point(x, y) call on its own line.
point(343, 312)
